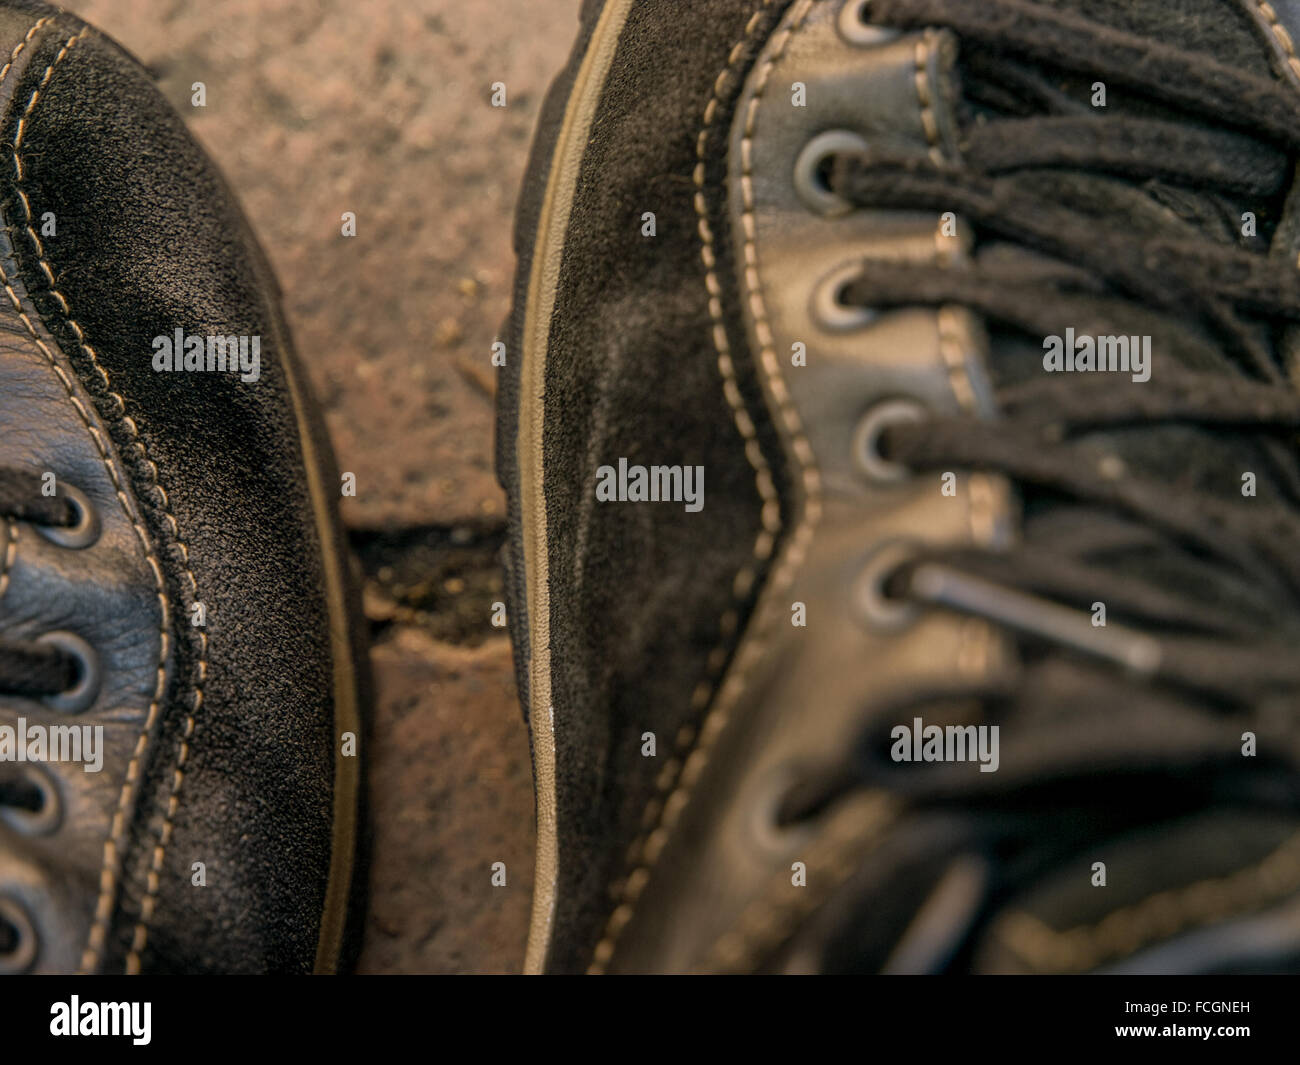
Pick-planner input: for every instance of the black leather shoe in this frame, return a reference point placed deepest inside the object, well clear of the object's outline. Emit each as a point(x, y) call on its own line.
point(172, 582)
point(978, 655)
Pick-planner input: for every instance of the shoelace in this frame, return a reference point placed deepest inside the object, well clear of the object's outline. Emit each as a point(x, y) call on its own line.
point(1205, 585)
point(28, 668)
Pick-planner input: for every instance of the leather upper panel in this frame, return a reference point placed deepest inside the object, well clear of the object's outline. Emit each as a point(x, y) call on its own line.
point(107, 593)
point(719, 891)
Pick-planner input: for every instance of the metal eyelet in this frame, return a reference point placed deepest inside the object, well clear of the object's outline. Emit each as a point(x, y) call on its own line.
point(46, 812)
point(17, 938)
point(81, 533)
point(828, 307)
point(85, 689)
point(873, 604)
point(866, 438)
point(766, 828)
point(809, 170)
point(855, 27)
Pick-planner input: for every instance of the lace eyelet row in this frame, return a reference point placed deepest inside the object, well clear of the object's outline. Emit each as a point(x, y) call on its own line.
point(37, 808)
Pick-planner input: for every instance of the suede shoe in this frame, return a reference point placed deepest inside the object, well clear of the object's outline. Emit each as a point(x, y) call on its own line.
point(180, 678)
point(899, 429)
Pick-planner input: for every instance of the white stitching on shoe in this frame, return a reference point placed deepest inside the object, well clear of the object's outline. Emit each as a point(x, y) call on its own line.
point(1157, 917)
point(113, 845)
point(954, 356)
point(11, 546)
point(36, 28)
point(693, 745)
point(830, 861)
point(976, 635)
point(1280, 33)
point(925, 94)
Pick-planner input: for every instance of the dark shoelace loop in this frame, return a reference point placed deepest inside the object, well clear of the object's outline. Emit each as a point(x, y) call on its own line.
point(20, 792)
point(23, 498)
point(1220, 661)
point(36, 669)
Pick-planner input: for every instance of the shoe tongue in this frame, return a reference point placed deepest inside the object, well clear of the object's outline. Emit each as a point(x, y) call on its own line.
point(1219, 29)
point(1195, 459)
point(1223, 33)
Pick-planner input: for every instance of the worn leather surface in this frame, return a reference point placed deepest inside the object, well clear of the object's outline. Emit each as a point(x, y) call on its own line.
point(105, 593)
point(237, 769)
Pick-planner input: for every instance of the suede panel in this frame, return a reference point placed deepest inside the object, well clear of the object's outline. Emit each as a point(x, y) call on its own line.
point(638, 590)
